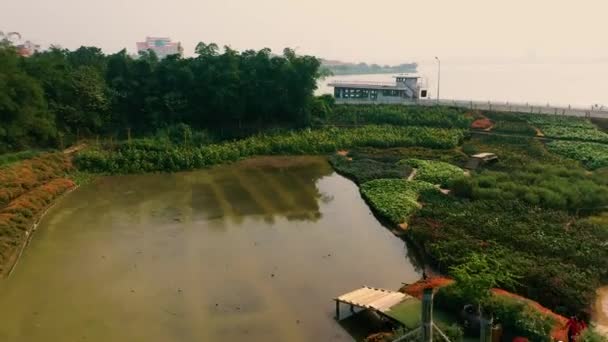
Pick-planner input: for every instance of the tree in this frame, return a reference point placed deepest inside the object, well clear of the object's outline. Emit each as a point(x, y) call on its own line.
point(24, 117)
point(478, 275)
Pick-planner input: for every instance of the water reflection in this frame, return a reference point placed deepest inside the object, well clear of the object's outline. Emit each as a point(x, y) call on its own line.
point(252, 251)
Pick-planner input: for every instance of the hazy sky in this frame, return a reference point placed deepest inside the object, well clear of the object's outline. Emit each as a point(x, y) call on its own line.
point(382, 31)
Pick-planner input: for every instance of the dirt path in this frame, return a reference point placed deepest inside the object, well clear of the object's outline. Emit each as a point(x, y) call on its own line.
point(74, 149)
point(412, 175)
point(600, 312)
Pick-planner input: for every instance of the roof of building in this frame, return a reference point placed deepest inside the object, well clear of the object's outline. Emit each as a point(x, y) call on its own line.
point(406, 75)
point(367, 85)
point(372, 298)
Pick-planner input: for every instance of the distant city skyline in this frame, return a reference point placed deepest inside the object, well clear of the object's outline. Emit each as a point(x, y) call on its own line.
point(396, 31)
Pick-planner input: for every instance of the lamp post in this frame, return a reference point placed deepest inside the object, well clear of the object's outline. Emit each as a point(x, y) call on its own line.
point(438, 76)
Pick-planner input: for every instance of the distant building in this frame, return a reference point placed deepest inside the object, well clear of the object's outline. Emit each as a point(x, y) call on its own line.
point(162, 46)
point(27, 49)
point(405, 87)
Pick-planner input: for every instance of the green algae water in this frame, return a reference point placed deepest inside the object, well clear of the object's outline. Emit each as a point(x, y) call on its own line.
point(252, 251)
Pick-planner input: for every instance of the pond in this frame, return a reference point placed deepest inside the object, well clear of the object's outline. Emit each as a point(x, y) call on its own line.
point(251, 251)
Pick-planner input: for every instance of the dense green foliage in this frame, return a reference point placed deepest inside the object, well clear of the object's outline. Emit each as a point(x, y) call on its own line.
point(365, 170)
point(59, 94)
point(150, 155)
point(10, 158)
point(446, 117)
point(574, 133)
point(513, 127)
point(393, 155)
point(527, 212)
point(394, 199)
point(590, 335)
point(516, 317)
point(541, 185)
point(561, 261)
point(591, 155)
point(434, 172)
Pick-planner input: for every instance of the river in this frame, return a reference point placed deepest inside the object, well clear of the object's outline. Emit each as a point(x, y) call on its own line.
point(251, 251)
point(580, 85)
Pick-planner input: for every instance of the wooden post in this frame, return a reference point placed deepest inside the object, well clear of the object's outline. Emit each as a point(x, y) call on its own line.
point(485, 324)
point(337, 310)
point(427, 315)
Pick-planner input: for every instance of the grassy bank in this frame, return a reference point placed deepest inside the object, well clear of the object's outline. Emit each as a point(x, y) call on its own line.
point(150, 156)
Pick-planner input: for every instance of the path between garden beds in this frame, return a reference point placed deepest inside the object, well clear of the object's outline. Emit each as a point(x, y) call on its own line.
point(600, 314)
point(559, 331)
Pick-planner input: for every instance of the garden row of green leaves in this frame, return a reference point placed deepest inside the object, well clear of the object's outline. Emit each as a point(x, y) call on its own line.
point(591, 155)
point(394, 199)
point(400, 115)
point(552, 126)
point(365, 170)
point(137, 158)
point(547, 186)
point(434, 172)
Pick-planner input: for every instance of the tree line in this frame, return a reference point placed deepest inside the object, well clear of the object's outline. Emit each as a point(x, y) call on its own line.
point(59, 94)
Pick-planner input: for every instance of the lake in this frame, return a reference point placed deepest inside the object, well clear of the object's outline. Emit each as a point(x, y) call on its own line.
point(251, 251)
point(580, 85)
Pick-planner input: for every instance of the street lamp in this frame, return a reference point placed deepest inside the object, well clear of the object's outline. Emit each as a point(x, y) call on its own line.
point(438, 75)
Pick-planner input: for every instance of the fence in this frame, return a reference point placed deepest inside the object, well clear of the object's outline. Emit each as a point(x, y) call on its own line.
point(591, 112)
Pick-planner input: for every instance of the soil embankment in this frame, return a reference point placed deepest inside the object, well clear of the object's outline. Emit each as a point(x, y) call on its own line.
point(27, 189)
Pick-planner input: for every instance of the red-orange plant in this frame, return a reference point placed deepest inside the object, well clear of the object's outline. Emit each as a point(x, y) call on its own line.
point(18, 178)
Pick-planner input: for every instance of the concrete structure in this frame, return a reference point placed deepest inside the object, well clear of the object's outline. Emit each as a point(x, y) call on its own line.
point(590, 112)
point(405, 88)
point(162, 46)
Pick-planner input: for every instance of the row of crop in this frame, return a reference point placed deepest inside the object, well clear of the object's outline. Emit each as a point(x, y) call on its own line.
point(18, 178)
point(17, 218)
point(365, 170)
point(591, 155)
point(445, 117)
point(394, 199)
point(434, 172)
point(574, 133)
point(320, 141)
point(547, 186)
